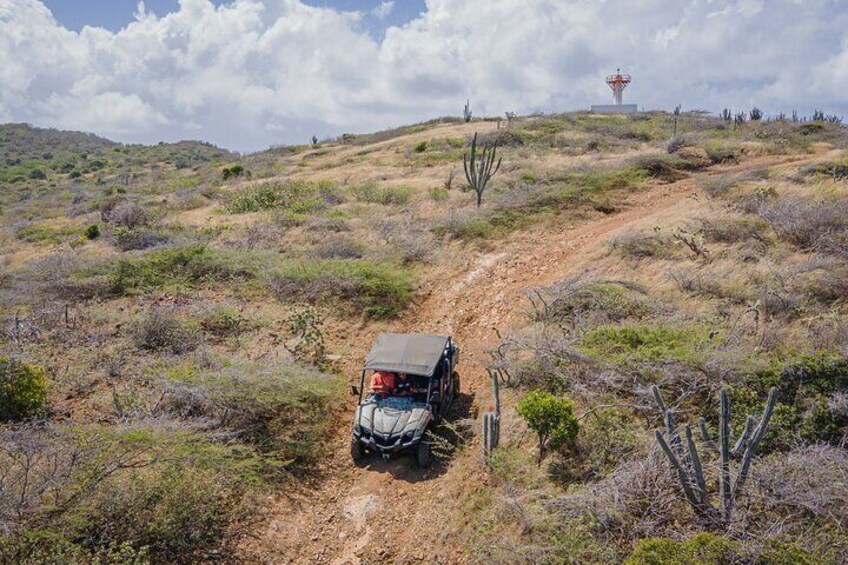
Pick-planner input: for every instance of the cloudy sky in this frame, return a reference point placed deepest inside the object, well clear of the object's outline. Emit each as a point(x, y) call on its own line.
point(247, 74)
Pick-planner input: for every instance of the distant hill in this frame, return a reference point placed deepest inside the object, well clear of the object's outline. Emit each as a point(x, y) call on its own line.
point(28, 152)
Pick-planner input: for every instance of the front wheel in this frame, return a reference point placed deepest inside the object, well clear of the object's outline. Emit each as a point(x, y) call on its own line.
point(357, 452)
point(422, 454)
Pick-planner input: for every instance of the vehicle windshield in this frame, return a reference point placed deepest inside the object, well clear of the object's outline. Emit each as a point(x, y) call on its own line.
point(396, 390)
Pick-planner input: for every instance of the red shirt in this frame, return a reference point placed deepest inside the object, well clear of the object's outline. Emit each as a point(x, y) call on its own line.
point(383, 383)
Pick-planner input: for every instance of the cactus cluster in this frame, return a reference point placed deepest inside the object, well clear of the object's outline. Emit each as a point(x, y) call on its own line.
point(492, 420)
point(479, 168)
point(687, 462)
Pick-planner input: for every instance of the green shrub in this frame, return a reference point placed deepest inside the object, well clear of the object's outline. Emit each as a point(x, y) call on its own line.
point(421, 147)
point(593, 302)
point(547, 198)
point(40, 547)
point(331, 192)
point(37, 174)
point(177, 266)
point(664, 167)
point(712, 549)
point(382, 289)
point(176, 514)
point(23, 389)
point(721, 152)
point(224, 322)
point(551, 417)
point(373, 194)
point(162, 331)
point(293, 196)
point(644, 246)
point(45, 233)
point(178, 495)
point(811, 392)
point(232, 172)
point(439, 194)
point(643, 342)
point(92, 231)
point(280, 408)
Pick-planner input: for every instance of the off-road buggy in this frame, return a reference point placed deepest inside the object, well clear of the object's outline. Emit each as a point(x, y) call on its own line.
point(387, 424)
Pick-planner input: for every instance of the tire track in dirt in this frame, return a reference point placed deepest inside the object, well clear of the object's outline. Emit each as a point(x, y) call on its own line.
point(389, 511)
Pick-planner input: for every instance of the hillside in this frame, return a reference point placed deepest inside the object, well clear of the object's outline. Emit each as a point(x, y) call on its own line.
point(182, 325)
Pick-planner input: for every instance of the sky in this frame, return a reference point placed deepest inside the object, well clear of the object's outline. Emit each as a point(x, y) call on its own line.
point(249, 74)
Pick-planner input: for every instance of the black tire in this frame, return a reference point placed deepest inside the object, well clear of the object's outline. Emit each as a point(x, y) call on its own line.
point(357, 452)
point(455, 377)
point(422, 454)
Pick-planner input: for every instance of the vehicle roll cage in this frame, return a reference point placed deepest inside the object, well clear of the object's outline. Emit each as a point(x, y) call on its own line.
point(439, 366)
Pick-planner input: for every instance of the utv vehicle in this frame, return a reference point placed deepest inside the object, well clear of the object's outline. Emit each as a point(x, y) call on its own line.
point(386, 423)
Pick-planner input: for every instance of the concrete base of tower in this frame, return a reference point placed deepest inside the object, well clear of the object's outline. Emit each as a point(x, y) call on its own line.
point(615, 109)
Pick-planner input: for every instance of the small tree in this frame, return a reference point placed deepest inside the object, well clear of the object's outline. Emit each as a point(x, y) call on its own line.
point(478, 169)
point(23, 389)
point(306, 327)
point(551, 417)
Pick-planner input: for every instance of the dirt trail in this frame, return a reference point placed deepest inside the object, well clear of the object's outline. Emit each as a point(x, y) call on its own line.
point(390, 512)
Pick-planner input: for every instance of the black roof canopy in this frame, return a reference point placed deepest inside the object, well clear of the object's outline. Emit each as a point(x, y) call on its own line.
point(415, 354)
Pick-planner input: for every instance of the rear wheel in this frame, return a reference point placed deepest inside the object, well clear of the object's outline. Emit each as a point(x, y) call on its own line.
point(422, 454)
point(357, 452)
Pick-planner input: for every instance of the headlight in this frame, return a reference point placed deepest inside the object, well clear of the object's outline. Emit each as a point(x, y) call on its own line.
point(357, 429)
point(408, 435)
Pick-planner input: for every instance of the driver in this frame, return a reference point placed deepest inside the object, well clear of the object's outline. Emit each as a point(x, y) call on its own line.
point(383, 384)
point(403, 386)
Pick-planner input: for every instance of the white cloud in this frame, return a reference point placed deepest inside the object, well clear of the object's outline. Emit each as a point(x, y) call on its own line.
point(383, 10)
point(253, 73)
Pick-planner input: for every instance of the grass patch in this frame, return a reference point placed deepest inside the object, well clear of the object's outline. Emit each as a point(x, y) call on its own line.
point(281, 409)
point(45, 234)
point(380, 289)
point(644, 246)
point(175, 267)
point(542, 200)
point(372, 193)
point(295, 196)
point(643, 342)
point(713, 549)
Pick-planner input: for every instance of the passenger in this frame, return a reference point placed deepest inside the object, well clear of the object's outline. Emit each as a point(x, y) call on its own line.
point(403, 386)
point(383, 384)
point(419, 389)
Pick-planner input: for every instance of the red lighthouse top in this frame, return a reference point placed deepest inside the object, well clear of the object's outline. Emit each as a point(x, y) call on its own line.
point(618, 80)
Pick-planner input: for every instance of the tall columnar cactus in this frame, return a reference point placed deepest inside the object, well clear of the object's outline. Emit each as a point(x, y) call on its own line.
point(466, 112)
point(492, 419)
point(687, 462)
point(478, 168)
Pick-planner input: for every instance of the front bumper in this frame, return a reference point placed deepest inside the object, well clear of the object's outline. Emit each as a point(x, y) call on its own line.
point(386, 444)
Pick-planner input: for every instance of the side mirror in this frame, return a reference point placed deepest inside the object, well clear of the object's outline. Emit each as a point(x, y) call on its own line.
point(354, 390)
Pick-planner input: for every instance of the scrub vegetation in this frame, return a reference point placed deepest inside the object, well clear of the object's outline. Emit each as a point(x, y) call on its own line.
point(179, 323)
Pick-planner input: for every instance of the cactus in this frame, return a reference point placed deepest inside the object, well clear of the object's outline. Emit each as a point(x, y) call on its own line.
point(478, 170)
point(687, 463)
point(466, 112)
point(492, 419)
